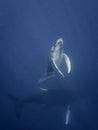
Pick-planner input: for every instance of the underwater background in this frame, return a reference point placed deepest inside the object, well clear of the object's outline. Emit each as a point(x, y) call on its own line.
point(28, 29)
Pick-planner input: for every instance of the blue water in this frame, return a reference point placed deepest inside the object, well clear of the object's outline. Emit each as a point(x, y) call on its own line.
point(28, 28)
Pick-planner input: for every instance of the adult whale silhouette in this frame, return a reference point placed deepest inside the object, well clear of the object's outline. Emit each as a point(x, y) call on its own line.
point(56, 58)
point(52, 97)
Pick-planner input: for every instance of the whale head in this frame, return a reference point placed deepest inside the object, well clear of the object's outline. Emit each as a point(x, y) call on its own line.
point(59, 44)
point(57, 49)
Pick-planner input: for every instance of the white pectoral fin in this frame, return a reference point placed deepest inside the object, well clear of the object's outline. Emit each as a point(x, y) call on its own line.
point(68, 63)
point(67, 115)
point(57, 68)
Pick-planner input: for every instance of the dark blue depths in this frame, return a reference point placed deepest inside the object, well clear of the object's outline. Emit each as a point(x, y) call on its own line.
point(27, 30)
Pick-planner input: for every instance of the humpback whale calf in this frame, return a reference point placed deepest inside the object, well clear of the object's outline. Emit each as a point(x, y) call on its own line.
point(56, 58)
point(52, 97)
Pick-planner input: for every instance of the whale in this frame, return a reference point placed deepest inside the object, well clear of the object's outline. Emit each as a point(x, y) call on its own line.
point(47, 98)
point(56, 58)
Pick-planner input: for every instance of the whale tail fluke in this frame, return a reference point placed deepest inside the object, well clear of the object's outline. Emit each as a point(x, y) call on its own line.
point(18, 105)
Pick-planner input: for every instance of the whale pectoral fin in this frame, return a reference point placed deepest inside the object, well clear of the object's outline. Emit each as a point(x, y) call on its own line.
point(68, 63)
point(56, 67)
point(67, 115)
